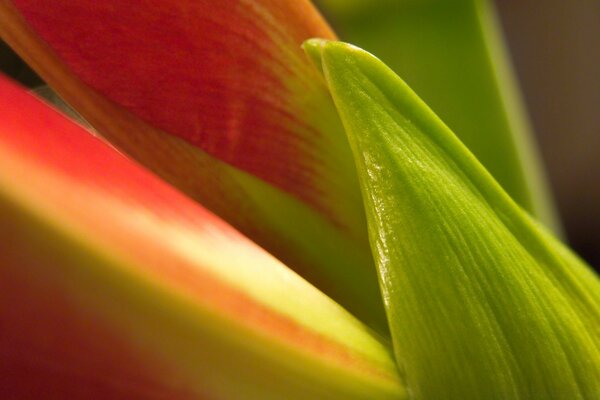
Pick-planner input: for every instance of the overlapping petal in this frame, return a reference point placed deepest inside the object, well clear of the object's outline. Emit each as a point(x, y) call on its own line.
point(114, 285)
point(218, 99)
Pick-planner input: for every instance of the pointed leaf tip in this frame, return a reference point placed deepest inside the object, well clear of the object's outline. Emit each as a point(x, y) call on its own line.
point(312, 48)
point(452, 53)
point(482, 301)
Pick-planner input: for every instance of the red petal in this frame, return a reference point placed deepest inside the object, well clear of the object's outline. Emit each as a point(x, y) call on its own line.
point(228, 79)
point(97, 246)
point(223, 75)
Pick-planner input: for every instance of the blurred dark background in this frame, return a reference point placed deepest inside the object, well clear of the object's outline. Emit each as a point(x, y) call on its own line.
point(555, 46)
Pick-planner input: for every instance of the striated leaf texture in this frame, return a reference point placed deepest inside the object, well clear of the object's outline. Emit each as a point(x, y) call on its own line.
point(452, 53)
point(483, 303)
point(113, 285)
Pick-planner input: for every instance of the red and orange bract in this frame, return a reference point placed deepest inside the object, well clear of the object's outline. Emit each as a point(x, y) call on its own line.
point(219, 100)
point(220, 78)
point(52, 349)
point(68, 184)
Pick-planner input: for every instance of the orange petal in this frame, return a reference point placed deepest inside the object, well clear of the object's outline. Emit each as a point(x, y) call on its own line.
point(191, 90)
point(114, 281)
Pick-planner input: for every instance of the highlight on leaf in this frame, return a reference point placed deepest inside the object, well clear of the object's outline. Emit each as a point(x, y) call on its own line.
point(114, 285)
point(452, 54)
point(482, 301)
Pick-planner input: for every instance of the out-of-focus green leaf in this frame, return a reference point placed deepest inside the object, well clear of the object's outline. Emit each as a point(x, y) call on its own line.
point(452, 54)
point(482, 302)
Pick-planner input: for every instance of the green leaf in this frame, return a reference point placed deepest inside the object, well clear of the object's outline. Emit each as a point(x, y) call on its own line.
point(453, 55)
point(483, 303)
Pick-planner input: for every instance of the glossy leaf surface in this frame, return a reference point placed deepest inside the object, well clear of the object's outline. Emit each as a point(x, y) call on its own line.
point(452, 54)
point(482, 301)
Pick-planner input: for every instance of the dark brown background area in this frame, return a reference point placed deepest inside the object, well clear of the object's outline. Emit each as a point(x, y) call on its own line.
point(555, 45)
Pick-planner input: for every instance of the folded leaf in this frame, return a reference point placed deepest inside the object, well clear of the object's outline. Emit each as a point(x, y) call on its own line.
point(482, 302)
point(452, 54)
point(114, 285)
point(219, 100)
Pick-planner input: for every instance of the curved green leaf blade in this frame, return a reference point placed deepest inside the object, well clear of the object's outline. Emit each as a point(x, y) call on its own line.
point(452, 54)
point(482, 302)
